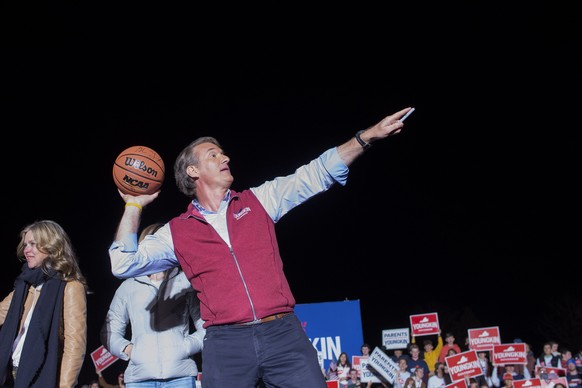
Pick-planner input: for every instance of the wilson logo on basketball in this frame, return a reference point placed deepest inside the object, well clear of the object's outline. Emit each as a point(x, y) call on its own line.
point(140, 165)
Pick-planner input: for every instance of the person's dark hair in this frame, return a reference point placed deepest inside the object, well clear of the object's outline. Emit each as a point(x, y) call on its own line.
point(339, 359)
point(186, 184)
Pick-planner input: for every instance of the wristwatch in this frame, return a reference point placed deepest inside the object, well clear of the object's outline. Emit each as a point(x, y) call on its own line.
point(361, 141)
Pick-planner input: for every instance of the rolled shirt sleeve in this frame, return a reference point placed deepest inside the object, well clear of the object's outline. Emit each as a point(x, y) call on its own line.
point(282, 194)
point(155, 254)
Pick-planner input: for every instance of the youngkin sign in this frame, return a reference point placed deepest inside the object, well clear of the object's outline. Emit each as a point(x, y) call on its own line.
point(332, 327)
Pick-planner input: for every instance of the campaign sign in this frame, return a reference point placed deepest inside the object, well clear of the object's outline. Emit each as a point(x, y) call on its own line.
point(484, 338)
point(424, 324)
point(332, 383)
point(383, 365)
point(465, 364)
point(552, 382)
point(509, 354)
point(457, 384)
point(530, 383)
point(102, 358)
point(396, 338)
point(360, 363)
point(320, 359)
point(329, 334)
point(549, 372)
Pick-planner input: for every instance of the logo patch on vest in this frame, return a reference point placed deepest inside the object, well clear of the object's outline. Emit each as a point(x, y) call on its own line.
point(241, 213)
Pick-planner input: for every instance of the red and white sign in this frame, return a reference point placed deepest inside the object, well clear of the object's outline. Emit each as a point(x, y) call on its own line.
point(332, 384)
point(552, 382)
point(457, 384)
point(102, 358)
point(509, 354)
point(424, 324)
point(531, 383)
point(549, 372)
point(463, 365)
point(357, 363)
point(484, 338)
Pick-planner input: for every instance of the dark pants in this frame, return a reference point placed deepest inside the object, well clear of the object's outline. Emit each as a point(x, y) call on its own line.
point(278, 352)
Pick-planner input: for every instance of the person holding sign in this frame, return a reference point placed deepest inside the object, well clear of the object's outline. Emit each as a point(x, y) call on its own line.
point(449, 344)
point(431, 354)
point(509, 370)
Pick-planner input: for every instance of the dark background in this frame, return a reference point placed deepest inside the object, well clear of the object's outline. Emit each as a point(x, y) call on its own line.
point(469, 212)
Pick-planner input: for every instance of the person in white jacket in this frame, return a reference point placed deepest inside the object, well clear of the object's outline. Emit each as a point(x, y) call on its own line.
point(160, 309)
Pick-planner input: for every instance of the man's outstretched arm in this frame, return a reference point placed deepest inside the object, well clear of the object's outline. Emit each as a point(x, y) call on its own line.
point(390, 125)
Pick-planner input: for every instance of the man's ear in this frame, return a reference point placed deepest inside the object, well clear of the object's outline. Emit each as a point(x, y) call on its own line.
point(192, 171)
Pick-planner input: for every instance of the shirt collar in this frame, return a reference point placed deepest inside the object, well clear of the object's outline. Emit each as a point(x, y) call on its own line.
point(203, 211)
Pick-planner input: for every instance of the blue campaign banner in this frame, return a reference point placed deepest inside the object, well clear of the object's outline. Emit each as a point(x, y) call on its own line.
point(332, 328)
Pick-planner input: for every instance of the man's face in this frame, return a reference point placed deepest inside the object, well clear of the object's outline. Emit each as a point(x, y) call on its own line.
point(212, 169)
point(414, 352)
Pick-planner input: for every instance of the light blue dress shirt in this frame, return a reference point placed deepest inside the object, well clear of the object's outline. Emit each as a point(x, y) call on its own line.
point(278, 197)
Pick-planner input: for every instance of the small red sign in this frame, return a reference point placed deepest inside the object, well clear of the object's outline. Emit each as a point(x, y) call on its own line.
point(424, 324)
point(509, 354)
point(549, 372)
point(552, 382)
point(332, 384)
point(102, 358)
point(463, 365)
point(457, 384)
point(531, 383)
point(484, 338)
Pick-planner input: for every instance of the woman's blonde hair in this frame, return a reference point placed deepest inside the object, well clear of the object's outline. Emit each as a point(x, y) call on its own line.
point(52, 240)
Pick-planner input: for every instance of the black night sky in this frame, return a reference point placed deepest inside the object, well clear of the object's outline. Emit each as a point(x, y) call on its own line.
point(469, 212)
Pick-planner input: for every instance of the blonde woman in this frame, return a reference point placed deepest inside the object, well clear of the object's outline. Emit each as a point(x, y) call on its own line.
point(43, 338)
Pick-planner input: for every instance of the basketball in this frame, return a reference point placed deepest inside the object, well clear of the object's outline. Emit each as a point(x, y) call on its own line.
point(138, 170)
